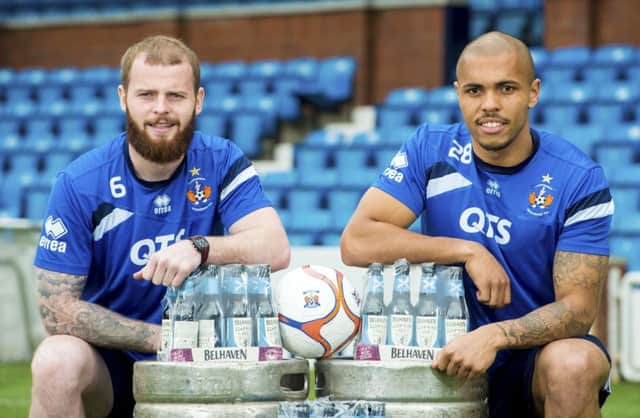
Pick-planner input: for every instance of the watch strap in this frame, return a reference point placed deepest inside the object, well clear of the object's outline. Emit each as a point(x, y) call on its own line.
point(201, 245)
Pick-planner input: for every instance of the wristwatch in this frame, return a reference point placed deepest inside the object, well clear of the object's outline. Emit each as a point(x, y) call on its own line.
point(202, 246)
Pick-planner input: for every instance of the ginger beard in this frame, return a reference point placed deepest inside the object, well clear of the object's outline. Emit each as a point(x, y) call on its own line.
point(164, 150)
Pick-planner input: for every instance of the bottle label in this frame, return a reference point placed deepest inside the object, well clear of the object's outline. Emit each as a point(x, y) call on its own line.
point(239, 332)
point(165, 340)
point(400, 330)
point(374, 329)
point(455, 328)
point(426, 330)
point(207, 335)
point(268, 330)
point(185, 334)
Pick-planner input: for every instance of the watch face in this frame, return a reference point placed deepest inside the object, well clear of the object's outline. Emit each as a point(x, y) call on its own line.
point(200, 242)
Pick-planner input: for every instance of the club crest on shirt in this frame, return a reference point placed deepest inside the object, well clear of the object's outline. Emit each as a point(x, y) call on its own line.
point(541, 197)
point(198, 191)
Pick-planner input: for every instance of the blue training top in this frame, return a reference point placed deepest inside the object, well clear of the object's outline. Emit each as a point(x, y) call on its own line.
point(556, 200)
point(105, 223)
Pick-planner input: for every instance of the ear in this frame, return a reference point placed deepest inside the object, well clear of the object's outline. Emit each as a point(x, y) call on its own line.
point(122, 94)
point(534, 92)
point(199, 100)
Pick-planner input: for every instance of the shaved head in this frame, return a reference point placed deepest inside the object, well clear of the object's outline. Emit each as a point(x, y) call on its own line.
point(494, 44)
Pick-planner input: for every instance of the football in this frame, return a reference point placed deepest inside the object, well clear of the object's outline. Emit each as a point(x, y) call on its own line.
point(318, 311)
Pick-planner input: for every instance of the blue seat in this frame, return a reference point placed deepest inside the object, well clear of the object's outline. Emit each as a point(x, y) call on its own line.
point(512, 22)
point(559, 75)
point(360, 179)
point(31, 76)
point(483, 5)
point(7, 76)
point(246, 131)
point(436, 115)
point(282, 179)
point(574, 92)
point(312, 220)
point(558, 114)
point(232, 71)
point(443, 96)
point(612, 155)
point(335, 79)
point(411, 98)
point(633, 73)
point(219, 87)
point(11, 195)
point(627, 247)
point(222, 104)
point(304, 71)
point(50, 93)
point(18, 93)
point(304, 199)
point(595, 75)
point(605, 113)
point(63, 76)
point(342, 204)
point(315, 177)
point(625, 175)
point(288, 105)
point(301, 239)
point(9, 127)
point(39, 130)
point(36, 201)
point(106, 126)
point(384, 157)
point(618, 91)
point(396, 136)
point(276, 196)
point(624, 132)
point(310, 157)
point(351, 159)
point(626, 199)
point(390, 116)
point(480, 23)
point(212, 123)
point(253, 87)
point(367, 138)
point(614, 55)
point(82, 92)
point(324, 137)
point(583, 136)
point(100, 75)
point(540, 56)
point(265, 106)
point(268, 70)
point(72, 125)
point(55, 161)
point(26, 161)
point(571, 56)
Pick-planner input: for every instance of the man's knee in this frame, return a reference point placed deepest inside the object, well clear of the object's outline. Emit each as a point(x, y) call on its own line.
point(570, 366)
point(61, 361)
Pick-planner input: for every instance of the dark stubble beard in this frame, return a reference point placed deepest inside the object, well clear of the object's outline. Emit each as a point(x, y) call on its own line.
point(163, 151)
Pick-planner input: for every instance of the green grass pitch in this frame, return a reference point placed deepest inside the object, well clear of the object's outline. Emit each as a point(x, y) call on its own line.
point(15, 382)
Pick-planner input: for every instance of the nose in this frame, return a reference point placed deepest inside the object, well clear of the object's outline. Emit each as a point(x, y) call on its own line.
point(160, 105)
point(490, 103)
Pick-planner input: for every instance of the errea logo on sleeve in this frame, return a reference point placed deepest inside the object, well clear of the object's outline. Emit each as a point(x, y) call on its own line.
point(54, 230)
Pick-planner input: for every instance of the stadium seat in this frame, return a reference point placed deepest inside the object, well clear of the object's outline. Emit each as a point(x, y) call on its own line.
point(633, 74)
point(479, 23)
point(24, 161)
point(596, 75)
point(512, 22)
point(625, 175)
point(50, 94)
point(283, 179)
point(435, 115)
point(558, 75)
point(325, 178)
point(540, 56)
point(571, 56)
point(232, 71)
point(573, 92)
point(63, 76)
point(350, 159)
point(624, 132)
point(614, 55)
point(358, 178)
point(301, 239)
point(384, 157)
point(367, 138)
point(324, 137)
point(266, 70)
point(301, 200)
point(54, 162)
point(36, 200)
point(31, 76)
point(304, 71)
point(331, 239)
point(389, 117)
point(410, 98)
point(276, 196)
point(342, 203)
point(613, 155)
point(212, 123)
point(311, 220)
point(605, 114)
point(628, 248)
point(396, 136)
point(583, 136)
point(335, 82)
point(618, 92)
point(310, 157)
point(558, 114)
point(246, 130)
point(106, 127)
point(443, 96)
point(264, 105)
point(218, 87)
point(9, 127)
point(626, 199)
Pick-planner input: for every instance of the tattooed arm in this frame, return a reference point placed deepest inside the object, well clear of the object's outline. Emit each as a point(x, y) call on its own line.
point(577, 280)
point(63, 312)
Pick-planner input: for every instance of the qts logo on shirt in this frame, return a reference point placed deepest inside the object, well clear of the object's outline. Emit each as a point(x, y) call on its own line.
point(198, 192)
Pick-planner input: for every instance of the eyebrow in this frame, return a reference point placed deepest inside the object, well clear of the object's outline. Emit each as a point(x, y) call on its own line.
point(498, 84)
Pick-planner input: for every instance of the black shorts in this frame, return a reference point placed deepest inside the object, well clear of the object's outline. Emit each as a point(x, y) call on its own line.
point(510, 383)
point(120, 367)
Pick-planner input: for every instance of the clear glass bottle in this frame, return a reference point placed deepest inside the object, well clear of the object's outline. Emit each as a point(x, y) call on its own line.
point(263, 311)
point(185, 327)
point(456, 317)
point(209, 313)
point(427, 308)
point(374, 319)
point(400, 311)
point(166, 327)
point(238, 322)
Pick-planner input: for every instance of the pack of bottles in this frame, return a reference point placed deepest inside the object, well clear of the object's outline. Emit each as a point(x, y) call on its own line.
point(220, 306)
point(439, 314)
point(328, 408)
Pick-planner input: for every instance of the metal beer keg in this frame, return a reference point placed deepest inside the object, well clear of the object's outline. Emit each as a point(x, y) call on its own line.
point(408, 388)
point(217, 389)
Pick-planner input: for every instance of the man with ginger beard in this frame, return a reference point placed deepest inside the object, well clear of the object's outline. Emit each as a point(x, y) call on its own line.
point(129, 219)
point(526, 214)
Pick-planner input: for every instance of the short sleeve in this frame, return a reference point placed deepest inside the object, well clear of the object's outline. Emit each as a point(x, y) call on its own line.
point(65, 243)
point(405, 177)
point(587, 220)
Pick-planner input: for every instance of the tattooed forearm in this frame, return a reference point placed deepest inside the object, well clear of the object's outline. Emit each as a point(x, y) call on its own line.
point(577, 281)
point(64, 313)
